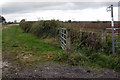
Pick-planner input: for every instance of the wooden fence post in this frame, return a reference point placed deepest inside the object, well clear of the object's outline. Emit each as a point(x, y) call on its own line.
point(68, 41)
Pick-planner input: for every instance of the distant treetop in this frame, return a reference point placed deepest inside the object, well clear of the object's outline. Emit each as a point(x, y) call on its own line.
point(2, 19)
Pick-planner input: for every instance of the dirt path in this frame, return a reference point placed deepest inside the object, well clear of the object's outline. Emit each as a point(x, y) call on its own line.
point(2, 63)
point(54, 70)
point(51, 70)
point(9, 25)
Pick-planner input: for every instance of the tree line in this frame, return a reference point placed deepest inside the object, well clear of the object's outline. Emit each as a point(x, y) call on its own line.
point(2, 19)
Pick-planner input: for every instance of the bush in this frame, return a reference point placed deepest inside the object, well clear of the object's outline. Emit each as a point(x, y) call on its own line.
point(22, 24)
point(37, 28)
point(26, 26)
point(48, 28)
point(45, 28)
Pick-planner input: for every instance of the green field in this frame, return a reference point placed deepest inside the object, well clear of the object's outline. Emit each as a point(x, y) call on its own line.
point(27, 49)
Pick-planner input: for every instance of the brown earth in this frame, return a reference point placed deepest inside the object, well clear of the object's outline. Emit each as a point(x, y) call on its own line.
point(9, 25)
point(54, 70)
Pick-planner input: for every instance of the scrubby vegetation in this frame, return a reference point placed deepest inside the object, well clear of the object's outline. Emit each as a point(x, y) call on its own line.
point(89, 58)
point(90, 49)
point(25, 26)
point(48, 28)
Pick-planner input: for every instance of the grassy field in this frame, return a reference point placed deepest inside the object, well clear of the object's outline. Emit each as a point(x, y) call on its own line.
point(26, 49)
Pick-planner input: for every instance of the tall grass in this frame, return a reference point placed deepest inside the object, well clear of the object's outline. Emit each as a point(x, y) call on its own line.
point(92, 59)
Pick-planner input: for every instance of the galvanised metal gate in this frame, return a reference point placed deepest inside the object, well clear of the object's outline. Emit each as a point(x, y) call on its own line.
point(64, 38)
point(116, 41)
point(110, 8)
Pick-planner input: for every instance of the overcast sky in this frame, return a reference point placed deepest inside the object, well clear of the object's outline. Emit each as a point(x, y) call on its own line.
point(69, 10)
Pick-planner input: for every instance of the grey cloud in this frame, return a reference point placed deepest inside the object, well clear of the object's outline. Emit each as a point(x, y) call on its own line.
point(26, 7)
point(22, 7)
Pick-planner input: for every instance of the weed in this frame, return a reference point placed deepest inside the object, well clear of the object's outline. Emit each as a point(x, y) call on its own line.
point(95, 59)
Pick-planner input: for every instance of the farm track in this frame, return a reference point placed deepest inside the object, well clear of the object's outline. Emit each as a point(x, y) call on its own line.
point(54, 70)
point(2, 62)
point(50, 70)
point(7, 26)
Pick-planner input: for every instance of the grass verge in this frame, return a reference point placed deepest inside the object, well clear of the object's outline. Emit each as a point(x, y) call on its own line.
point(26, 49)
point(85, 57)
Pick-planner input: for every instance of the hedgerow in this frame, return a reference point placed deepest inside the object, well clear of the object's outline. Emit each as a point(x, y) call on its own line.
point(26, 26)
point(90, 47)
point(79, 39)
point(48, 28)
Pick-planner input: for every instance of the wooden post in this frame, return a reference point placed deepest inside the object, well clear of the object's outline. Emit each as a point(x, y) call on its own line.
point(68, 42)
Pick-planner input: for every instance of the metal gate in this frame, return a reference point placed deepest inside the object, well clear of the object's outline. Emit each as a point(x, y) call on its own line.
point(110, 8)
point(116, 41)
point(64, 38)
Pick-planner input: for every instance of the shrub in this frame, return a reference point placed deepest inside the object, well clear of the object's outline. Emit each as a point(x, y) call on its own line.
point(22, 24)
point(26, 26)
point(45, 28)
point(37, 28)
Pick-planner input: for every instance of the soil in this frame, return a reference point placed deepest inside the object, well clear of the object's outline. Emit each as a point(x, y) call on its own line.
point(54, 70)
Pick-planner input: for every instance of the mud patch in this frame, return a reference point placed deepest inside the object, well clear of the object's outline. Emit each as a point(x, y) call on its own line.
point(53, 70)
